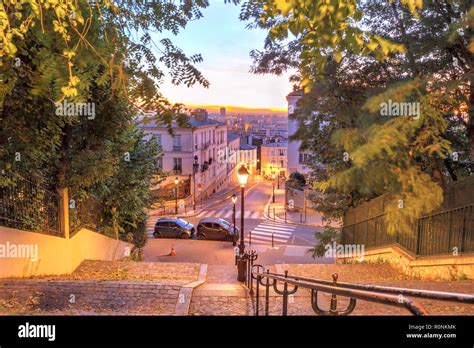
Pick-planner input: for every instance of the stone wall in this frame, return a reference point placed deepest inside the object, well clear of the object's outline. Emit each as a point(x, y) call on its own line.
point(447, 267)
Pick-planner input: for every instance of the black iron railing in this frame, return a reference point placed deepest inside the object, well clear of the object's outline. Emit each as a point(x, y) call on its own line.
point(450, 231)
point(28, 205)
point(286, 285)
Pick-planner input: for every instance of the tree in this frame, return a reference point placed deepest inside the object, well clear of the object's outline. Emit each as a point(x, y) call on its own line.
point(408, 53)
point(296, 180)
point(98, 55)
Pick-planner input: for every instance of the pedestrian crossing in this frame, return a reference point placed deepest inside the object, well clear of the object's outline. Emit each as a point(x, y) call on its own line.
point(265, 231)
point(227, 214)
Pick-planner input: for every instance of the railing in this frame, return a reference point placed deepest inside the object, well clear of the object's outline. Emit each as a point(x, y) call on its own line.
point(443, 232)
point(391, 296)
point(28, 205)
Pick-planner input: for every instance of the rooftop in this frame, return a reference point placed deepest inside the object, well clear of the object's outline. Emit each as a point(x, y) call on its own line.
point(193, 122)
point(232, 136)
point(247, 147)
point(280, 144)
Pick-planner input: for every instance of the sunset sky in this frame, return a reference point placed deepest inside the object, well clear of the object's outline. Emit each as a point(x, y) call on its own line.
point(225, 43)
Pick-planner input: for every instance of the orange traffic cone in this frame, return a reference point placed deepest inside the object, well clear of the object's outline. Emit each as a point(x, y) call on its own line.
point(173, 251)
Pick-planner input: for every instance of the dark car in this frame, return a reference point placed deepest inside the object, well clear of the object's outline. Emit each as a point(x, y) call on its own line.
point(217, 229)
point(173, 228)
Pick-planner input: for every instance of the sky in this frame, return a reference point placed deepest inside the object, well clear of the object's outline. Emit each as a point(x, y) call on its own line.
point(225, 44)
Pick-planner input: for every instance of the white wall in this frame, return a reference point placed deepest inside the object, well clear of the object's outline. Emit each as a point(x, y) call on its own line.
point(56, 255)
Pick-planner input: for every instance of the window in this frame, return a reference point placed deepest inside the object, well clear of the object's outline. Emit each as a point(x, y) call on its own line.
point(282, 152)
point(195, 141)
point(177, 165)
point(282, 164)
point(177, 143)
point(157, 138)
point(305, 158)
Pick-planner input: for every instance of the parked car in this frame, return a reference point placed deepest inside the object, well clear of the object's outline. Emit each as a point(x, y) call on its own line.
point(217, 229)
point(173, 228)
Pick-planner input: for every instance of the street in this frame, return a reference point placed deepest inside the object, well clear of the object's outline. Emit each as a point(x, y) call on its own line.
point(275, 242)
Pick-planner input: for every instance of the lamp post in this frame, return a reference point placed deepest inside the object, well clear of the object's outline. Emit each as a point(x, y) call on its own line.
point(234, 200)
point(176, 182)
point(278, 178)
point(243, 176)
point(195, 169)
point(273, 188)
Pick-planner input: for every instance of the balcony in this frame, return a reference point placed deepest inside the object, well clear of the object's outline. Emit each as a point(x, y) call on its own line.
point(177, 171)
point(177, 148)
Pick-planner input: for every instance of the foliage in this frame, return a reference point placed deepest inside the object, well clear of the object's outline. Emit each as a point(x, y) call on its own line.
point(108, 55)
point(423, 58)
point(327, 237)
point(296, 180)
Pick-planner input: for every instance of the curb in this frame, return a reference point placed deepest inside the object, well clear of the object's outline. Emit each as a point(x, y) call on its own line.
point(186, 292)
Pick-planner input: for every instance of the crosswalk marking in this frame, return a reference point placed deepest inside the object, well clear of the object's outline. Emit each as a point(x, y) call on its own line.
point(227, 214)
point(276, 229)
point(262, 233)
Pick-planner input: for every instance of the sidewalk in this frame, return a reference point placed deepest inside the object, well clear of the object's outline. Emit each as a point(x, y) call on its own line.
point(277, 211)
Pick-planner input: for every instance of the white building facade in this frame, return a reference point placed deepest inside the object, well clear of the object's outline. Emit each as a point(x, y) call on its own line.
point(274, 159)
point(193, 151)
point(297, 160)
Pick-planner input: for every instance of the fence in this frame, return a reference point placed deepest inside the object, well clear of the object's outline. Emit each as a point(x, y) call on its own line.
point(28, 205)
point(31, 206)
point(446, 230)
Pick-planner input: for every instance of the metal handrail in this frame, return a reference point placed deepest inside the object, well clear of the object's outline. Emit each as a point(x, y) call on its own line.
point(435, 295)
point(392, 296)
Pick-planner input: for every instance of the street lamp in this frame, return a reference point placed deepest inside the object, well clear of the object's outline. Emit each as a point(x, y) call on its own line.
point(234, 200)
point(243, 176)
point(278, 176)
point(273, 183)
point(176, 182)
point(195, 169)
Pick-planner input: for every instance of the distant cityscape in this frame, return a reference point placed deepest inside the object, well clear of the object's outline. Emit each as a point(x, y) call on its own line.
point(199, 155)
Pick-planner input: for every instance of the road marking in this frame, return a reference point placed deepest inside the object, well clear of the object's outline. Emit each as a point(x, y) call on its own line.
point(247, 214)
point(272, 228)
point(255, 215)
point(281, 234)
point(228, 214)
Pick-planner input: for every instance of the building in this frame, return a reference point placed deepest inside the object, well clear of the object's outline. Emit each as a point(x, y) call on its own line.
point(223, 113)
point(193, 150)
point(297, 160)
point(200, 114)
point(233, 145)
point(248, 156)
point(274, 158)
